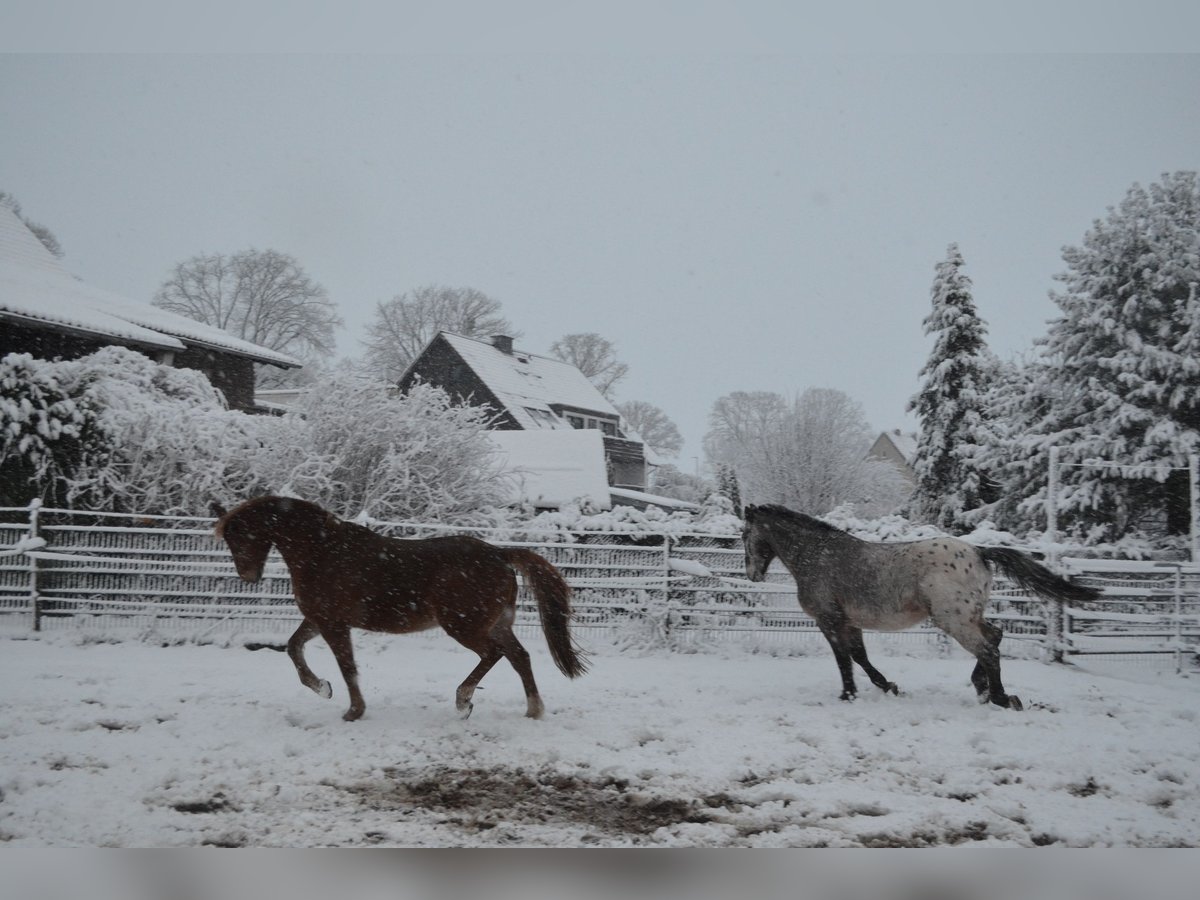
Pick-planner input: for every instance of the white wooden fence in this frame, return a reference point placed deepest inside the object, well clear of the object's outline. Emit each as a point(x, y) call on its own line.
point(61, 569)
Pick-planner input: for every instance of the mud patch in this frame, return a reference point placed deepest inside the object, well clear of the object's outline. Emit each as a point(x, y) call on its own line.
point(482, 799)
point(218, 802)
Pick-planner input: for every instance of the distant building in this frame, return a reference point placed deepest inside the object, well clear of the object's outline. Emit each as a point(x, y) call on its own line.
point(47, 312)
point(543, 396)
point(900, 449)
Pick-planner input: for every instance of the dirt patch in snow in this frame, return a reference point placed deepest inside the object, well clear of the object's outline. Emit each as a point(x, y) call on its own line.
point(480, 799)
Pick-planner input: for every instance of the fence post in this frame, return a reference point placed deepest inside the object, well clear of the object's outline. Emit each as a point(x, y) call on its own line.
point(1179, 619)
point(1055, 618)
point(35, 508)
point(1052, 507)
point(1194, 482)
point(666, 612)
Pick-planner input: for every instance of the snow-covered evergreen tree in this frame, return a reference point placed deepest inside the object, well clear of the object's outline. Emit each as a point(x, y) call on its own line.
point(1123, 368)
point(951, 484)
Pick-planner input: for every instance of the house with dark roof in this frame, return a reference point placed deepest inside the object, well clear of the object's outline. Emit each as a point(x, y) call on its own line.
point(49, 313)
point(898, 448)
point(531, 393)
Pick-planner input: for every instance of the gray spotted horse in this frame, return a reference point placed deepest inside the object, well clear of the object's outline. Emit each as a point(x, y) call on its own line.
point(847, 584)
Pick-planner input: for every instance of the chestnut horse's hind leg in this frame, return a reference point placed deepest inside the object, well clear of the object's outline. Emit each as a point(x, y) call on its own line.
point(295, 649)
point(519, 657)
point(466, 690)
point(338, 638)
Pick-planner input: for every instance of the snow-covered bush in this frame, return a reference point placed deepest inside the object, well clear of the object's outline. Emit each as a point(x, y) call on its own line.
point(167, 443)
point(117, 431)
point(42, 431)
point(363, 451)
point(883, 528)
point(714, 517)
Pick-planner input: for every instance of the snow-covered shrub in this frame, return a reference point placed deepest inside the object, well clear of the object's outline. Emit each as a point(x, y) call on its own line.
point(630, 523)
point(166, 443)
point(884, 528)
point(363, 451)
point(117, 431)
point(42, 431)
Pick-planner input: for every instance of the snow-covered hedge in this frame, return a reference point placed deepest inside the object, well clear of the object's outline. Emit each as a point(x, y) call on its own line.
point(116, 431)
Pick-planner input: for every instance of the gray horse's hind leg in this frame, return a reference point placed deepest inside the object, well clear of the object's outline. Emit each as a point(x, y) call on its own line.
point(858, 651)
point(986, 674)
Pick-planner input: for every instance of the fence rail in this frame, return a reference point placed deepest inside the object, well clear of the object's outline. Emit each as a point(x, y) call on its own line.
point(61, 569)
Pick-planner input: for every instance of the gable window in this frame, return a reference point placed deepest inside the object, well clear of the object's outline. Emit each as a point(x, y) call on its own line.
point(608, 426)
point(542, 417)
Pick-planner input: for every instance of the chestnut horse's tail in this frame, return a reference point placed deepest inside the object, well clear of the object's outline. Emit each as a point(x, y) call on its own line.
point(1035, 577)
point(554, 607)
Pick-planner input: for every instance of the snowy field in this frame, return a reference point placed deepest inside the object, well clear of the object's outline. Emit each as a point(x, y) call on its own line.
point(135, 744)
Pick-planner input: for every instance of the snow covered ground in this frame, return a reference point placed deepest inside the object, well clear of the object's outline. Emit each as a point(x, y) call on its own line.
point(136, 744)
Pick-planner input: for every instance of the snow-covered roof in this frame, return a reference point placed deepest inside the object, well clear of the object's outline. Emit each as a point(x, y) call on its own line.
point(36, 288)
point(525, 381)
point(554, 467)
point(279, 398)
point(644, 499)
point(904, 442)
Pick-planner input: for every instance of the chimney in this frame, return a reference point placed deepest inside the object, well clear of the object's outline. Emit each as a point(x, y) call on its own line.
point(503, 343)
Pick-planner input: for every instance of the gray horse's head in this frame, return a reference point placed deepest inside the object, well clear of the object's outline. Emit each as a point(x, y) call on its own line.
point(759, 552)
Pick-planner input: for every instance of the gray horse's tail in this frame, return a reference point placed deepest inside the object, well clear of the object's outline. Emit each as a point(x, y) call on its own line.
point(1035, 577)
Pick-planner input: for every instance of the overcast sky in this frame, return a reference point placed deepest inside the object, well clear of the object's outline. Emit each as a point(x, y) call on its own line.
point(729, 221)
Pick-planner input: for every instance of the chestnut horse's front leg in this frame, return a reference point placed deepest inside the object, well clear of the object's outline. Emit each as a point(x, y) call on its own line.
point(337, 636)
point(295, 648)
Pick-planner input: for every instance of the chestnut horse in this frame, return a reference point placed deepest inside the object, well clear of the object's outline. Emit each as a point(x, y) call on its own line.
point(346, 576)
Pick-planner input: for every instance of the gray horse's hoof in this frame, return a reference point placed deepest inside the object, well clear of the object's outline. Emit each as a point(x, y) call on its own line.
point(891, 688)
point(1014, 702)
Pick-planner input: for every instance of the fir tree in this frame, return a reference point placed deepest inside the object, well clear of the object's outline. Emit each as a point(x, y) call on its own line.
point(951, 487)
point(727, 486)
point(1121, 364)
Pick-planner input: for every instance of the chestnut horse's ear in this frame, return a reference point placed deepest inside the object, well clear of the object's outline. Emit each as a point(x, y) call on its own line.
point(217, 509)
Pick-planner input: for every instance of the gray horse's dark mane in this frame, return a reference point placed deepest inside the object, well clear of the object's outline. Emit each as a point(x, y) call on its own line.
point(790, 515)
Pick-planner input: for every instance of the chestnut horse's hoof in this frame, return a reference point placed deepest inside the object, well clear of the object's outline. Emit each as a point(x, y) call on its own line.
point(352, 714)
point(465, 710)
point(323, 689)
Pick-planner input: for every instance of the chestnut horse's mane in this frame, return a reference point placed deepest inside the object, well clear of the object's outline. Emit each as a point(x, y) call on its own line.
point(281, 504)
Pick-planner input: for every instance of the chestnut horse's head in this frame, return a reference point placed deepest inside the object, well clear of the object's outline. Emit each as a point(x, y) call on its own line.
point(247, 540)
